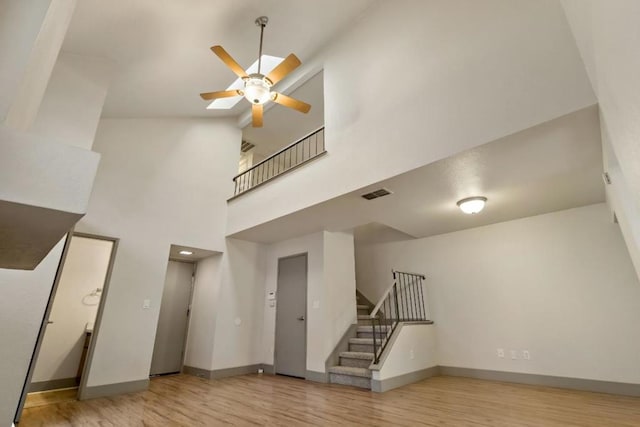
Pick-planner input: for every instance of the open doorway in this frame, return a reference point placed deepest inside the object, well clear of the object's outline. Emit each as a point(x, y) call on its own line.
point(64, 349)
point(169, 350)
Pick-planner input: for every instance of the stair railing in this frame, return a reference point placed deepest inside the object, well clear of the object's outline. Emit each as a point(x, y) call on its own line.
point(403, 301)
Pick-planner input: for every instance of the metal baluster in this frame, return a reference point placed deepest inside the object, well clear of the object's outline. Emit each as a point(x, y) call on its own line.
point(416, 290)
point(395, 294)
point(415, 298)
point(409, 299)
point(404, 296)
point(422, 316)
point(375, 347)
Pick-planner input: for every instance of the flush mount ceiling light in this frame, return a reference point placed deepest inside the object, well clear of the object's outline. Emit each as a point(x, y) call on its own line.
point(186, 253)
point(257, 86)
point(472, 205)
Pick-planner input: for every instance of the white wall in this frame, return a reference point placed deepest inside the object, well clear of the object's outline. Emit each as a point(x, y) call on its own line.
point(414, 349)
point(415, 81)
point(225, 330)
point(607, 34)
point(560, 285)
point(23, 297)
point(199, 348)
point(239, 306)
point(72, 104)
point(331, 303)
point(313, 246)
point(340, 284)
point(160, 182)
point(84, 271)
point(30, 42)
point(20, 24)
point(621, 200)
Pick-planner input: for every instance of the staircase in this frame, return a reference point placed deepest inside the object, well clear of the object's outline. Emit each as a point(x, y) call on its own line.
point(402, 302)
point(354, 364)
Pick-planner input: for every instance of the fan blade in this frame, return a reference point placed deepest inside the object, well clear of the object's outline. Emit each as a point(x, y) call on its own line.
point(289, 64)
point(227, 59)
point(287, 101)
point(207, 96)
point(256, 113)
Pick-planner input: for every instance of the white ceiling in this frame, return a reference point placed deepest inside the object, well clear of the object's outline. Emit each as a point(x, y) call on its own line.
point(197, 255)
point(283, 126)
point(161, 47)
point(553, 166)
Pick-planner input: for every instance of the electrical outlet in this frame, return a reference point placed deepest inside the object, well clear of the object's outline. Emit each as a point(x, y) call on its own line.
point(500, 352)
point(526, 355)
point(514, 354)
point(411, 354)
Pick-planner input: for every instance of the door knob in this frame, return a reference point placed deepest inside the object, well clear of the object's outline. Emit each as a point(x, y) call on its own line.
point(301, 318)
point(49, 322)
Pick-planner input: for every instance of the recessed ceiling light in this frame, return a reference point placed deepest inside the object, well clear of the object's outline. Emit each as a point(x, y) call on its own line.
point(472, 205)
point(186, 253)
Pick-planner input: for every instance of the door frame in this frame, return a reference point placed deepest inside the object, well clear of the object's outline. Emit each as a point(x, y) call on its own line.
point(103, 299)
point(192, 286)
point(43, 327)
point(306, 317)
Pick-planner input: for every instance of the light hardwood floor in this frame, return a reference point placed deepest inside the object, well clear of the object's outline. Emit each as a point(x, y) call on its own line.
point(272, 400)
point(42, 398)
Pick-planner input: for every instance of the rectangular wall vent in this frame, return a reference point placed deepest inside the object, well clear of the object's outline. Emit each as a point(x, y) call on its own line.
point(375, 194)
point(246, 146)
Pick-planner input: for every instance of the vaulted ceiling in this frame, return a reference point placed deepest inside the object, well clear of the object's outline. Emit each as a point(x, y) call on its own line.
point(160, 48)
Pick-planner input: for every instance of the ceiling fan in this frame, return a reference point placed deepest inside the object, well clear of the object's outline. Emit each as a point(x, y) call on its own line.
point(257, 86)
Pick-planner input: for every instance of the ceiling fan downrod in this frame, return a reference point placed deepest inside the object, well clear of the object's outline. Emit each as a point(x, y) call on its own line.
point(261, 22)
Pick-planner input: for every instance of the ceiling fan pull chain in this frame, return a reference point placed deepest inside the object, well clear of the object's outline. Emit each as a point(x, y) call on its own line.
point(261, 22)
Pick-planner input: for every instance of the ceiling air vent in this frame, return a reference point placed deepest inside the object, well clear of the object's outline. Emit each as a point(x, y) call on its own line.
point(246, 146)
point(375, 194)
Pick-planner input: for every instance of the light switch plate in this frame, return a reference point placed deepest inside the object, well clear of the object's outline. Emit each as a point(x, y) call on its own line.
point(146, 304)
point(316, 305)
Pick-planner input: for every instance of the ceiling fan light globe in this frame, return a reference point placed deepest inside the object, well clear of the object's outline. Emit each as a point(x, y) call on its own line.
point(257, 91)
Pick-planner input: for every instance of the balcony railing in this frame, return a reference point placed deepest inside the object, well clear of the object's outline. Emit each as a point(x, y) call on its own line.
point(285, 160)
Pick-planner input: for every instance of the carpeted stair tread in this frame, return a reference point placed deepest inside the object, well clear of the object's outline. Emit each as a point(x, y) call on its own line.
point(357, 355)
point(363, 307)
point(347, 370)
point(369, 328)
point(364, 341)
point(363, 317)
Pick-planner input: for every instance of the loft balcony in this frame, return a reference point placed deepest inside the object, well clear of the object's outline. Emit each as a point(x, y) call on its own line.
point(306, 149)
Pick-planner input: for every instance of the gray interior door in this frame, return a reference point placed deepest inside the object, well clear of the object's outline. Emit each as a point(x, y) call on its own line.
point(291, 312)
point(173, 319)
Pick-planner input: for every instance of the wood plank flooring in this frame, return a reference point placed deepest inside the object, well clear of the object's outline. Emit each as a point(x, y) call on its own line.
point(272, 400)
point(41, 398)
